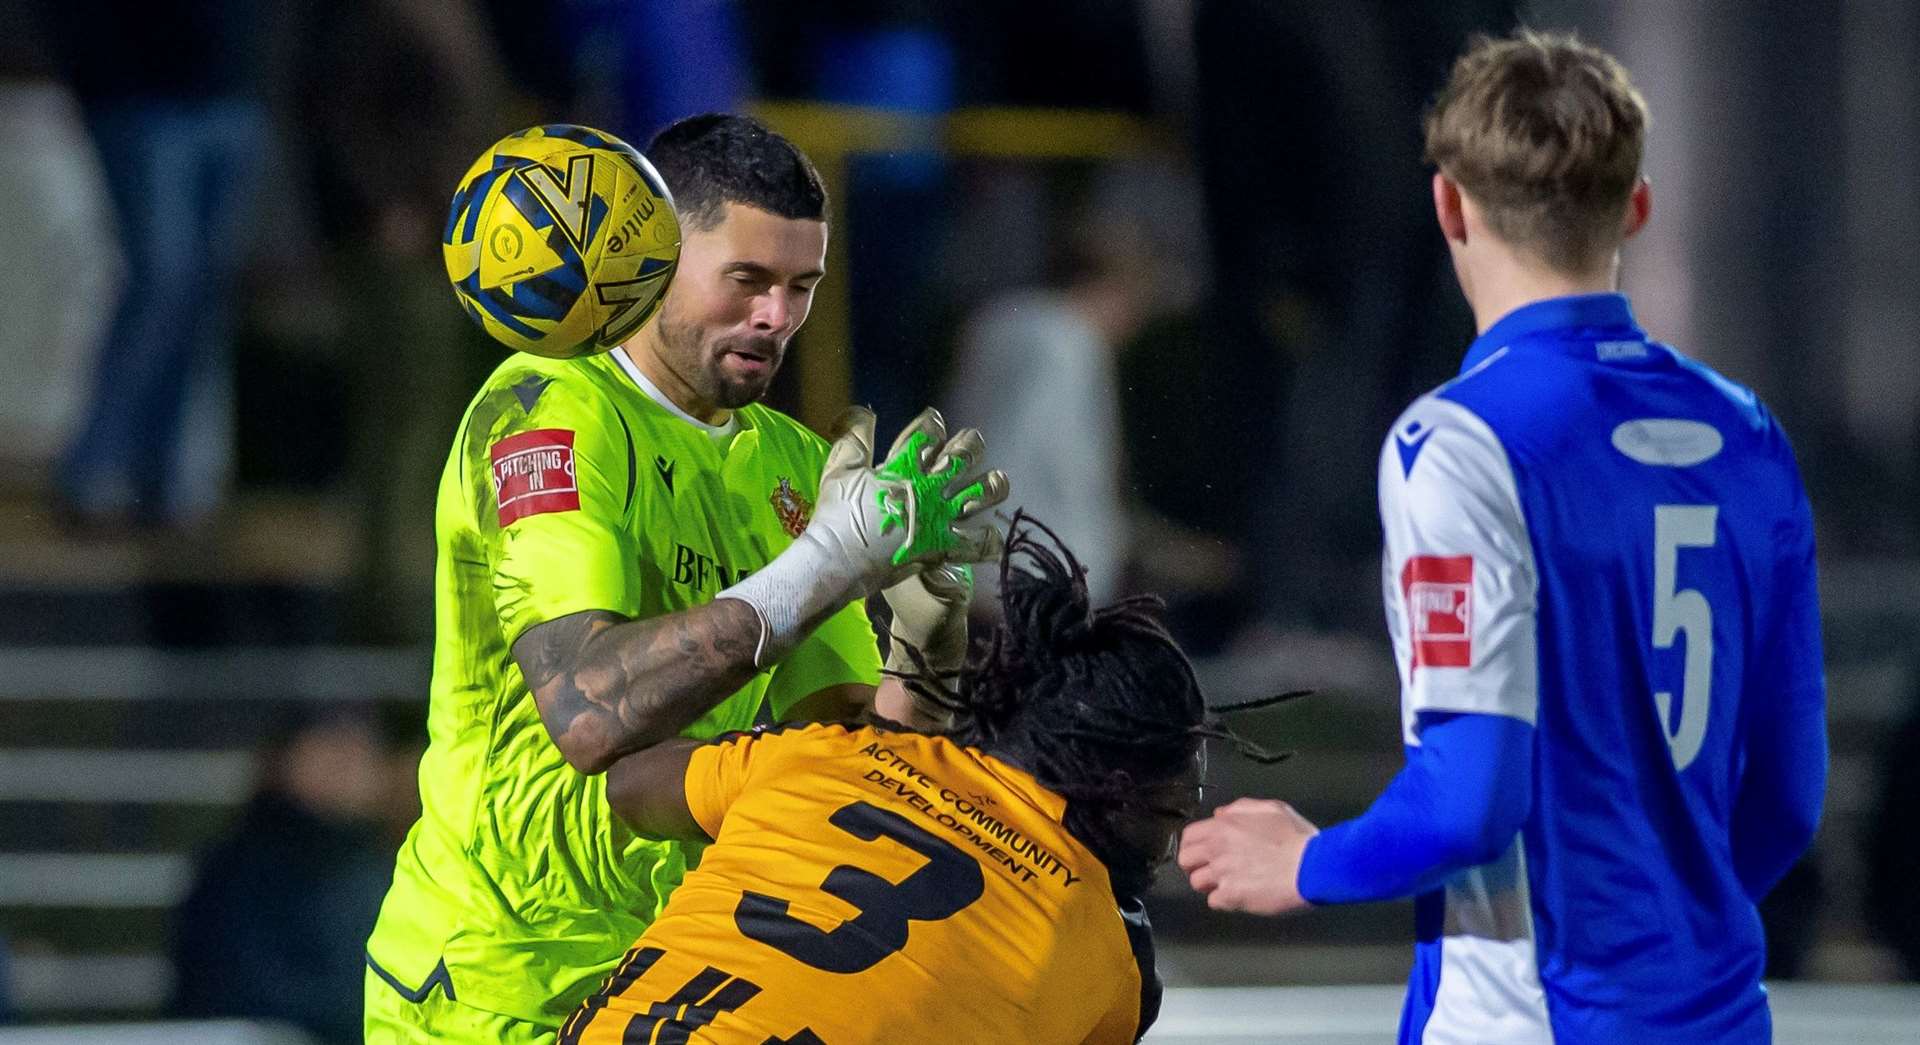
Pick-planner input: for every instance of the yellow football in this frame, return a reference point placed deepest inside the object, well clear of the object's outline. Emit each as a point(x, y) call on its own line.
point(561, 241)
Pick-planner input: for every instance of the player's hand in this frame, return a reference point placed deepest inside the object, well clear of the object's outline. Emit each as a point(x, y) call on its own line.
point(1246, 856)
point(929, 503)
point(955, 492)
point(854, 502)
point(930, 615)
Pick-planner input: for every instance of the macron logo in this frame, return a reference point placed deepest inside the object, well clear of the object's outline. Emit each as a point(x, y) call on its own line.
point(1408, 441)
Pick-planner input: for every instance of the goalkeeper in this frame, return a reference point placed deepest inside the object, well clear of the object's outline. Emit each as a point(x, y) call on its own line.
point(631, 548)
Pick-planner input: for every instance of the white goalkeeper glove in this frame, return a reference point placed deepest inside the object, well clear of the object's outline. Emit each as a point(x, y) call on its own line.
point(930, 616)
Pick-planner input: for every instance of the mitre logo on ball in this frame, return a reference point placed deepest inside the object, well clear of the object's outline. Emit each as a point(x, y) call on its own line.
point(561, 241)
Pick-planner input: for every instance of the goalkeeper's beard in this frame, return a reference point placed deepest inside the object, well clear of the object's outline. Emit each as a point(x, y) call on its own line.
point(738, 389)
point(708, 370)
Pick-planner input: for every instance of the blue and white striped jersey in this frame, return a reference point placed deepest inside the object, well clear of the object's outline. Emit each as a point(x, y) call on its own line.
point(1594, 535)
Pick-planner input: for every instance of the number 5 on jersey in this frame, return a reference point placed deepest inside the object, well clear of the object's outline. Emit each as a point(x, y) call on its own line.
point(1677, 610)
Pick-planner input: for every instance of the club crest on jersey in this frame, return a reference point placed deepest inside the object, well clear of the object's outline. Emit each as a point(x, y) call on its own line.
point(533, 474)
point(794, 510)
point(1438, 590)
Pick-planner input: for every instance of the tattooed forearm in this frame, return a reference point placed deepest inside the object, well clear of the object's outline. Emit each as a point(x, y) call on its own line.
point(606, 685)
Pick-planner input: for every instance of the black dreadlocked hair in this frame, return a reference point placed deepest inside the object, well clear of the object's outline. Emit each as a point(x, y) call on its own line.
point(1100, 705)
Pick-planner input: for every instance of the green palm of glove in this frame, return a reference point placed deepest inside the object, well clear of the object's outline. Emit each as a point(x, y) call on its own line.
point(872, 528)
point(934, 535)
point(948, 495)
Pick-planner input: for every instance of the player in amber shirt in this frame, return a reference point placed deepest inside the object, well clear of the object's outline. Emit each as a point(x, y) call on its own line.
point(980, 884)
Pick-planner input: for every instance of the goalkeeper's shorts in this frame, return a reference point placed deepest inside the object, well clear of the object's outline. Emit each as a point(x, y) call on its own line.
point(390, 1019)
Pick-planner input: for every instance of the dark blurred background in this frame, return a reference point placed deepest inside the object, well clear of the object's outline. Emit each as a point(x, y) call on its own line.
point(1176, 257)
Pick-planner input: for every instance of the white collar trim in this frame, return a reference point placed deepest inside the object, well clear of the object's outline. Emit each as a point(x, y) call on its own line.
point(653, 392)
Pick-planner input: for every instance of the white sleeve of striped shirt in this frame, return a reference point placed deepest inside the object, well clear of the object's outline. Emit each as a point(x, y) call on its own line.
point(1458, 568)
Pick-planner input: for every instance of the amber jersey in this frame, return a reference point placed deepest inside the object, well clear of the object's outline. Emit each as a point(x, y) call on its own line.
point(870, 886)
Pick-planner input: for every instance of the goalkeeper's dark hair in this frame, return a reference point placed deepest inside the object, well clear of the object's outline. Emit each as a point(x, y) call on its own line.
point(712, 160)
point(1100, 705)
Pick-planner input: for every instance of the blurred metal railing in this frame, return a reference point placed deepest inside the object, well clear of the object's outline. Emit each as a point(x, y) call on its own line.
point(117, 762)
point(199, 1032)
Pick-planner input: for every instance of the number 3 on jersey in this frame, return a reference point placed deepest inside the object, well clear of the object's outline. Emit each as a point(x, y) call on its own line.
point(1677, 610)
point(946, 883)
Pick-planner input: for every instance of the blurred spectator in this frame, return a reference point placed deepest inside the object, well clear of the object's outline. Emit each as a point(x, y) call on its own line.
point(171, 93)
point(384, 174)
point(276, 923)
point(403, 738)
point(892, 203)
point(627, 68)
point(890, 208)
point(1333, 287)
point(662, 61)
point(1893, 848)
point(1034, 372)
point(61, 265)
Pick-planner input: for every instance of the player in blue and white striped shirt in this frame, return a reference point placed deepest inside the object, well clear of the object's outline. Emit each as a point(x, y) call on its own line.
point(1599, 580)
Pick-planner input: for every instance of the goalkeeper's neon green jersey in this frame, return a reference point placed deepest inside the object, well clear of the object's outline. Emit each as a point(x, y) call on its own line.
point(569, 489)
